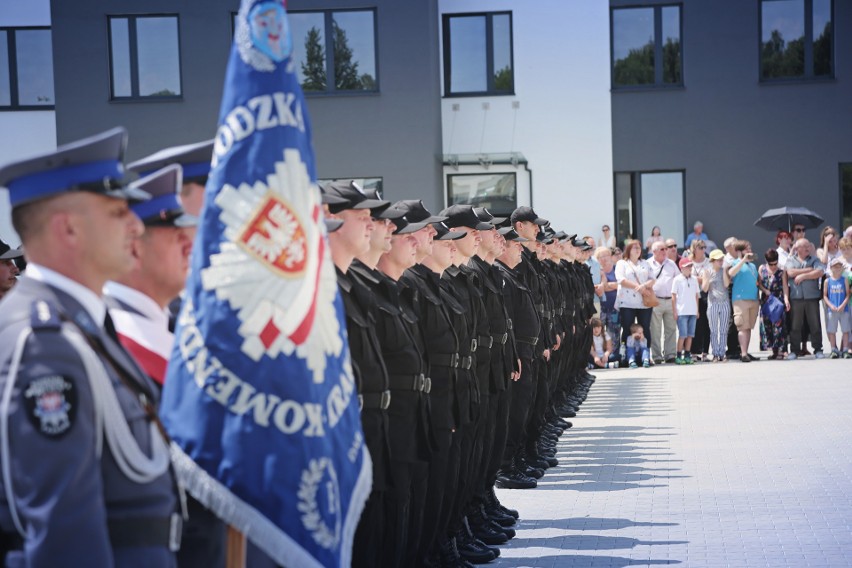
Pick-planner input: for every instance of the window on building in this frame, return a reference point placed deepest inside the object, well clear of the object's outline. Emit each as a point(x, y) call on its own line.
point(846, 194)
point(335, 50)
point(644, 200)
point(478, 54)
point(796, 39)
point(144, 57)
point(26, 69)
point(646, 47)
point(496, 192)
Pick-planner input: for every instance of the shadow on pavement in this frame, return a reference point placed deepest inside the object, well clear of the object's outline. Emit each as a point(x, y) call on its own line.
point(578, 561)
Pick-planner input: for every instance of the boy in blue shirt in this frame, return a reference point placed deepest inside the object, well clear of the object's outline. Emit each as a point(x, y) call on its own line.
point(637, 345)
point(835, 296)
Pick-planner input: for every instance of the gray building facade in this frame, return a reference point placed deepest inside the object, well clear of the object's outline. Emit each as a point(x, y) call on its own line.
point(742, 136)
point(106, 74)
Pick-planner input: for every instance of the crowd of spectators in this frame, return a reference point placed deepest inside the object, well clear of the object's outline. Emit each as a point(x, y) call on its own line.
point(665, 304)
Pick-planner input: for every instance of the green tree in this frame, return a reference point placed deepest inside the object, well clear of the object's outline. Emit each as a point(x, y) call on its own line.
point(781, 58)
point(503, 79)
point(822, 52)
point(671, 61)
point(637, 68)
point(313, 67)
point(346, 77)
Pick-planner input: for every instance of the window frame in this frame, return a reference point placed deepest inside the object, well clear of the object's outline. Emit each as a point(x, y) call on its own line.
point(328, 31)
point(489, 54)
point(658, 49)
point(11, 46)
point(133, 55)
point(842, 169)
point(809, 48)
point(448, 197)
point(636, 199)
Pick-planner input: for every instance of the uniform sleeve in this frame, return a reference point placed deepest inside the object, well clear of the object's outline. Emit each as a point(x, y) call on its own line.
point(56, 474)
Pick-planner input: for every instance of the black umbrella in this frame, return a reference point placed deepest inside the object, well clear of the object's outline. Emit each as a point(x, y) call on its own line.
point(783, 218)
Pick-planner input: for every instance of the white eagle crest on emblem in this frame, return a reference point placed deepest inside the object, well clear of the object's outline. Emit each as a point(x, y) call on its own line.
point(274, 268)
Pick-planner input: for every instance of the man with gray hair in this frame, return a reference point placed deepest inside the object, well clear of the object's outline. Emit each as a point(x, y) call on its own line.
point(803, 274)
point(664, 269)
point(697, 233)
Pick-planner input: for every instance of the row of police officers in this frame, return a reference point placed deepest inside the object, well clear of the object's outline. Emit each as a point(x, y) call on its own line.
point(468, 336)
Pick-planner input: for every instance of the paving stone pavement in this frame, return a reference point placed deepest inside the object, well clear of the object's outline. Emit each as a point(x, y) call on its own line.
point(714, 464)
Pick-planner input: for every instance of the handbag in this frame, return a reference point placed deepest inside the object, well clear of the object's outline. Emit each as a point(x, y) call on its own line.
point(649, 299)
point(773, 308)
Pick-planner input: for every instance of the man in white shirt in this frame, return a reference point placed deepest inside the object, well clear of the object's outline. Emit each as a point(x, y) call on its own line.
point(663, 323)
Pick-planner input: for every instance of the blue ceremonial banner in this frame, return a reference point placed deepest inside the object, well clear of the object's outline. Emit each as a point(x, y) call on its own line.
point(259, 397)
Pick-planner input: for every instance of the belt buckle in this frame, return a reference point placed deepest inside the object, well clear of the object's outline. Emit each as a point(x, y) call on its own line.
point(427, 384)
point(504, 339)
point(473, 344)
point(360, 402)
point(175, 532)
point(386, 400)
point(454, 360)
point(419, 382)
point(508, 323)
point(466, 362)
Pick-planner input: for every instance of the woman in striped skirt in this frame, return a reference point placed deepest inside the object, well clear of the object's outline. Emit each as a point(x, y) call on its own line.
point(715, 283)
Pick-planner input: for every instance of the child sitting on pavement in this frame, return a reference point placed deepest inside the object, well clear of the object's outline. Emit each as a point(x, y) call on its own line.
point(637, 345)
point(836, 299)
point(601, 354)
point(685, 294)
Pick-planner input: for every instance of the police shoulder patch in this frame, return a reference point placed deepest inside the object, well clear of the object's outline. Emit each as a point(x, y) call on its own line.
point(51, 404)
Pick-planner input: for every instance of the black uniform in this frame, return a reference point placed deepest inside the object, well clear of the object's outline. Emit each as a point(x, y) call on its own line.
point(371, 378)
point(410, 429)
point(442, 350)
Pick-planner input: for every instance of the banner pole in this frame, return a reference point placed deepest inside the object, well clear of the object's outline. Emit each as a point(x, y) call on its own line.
point(236, 549)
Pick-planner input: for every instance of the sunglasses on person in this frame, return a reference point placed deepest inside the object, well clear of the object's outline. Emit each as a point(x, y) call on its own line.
point(798, 229)
point(671, 247)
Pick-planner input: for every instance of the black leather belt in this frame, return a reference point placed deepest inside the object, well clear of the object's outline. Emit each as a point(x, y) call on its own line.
point(374, 400)
point(444, 360)
point(526, 339)
point(485, 342)
point(158, 531)
point(501, 339)
point(163, 532)
point(664, 297)
point(419, 383)
point(466, 362)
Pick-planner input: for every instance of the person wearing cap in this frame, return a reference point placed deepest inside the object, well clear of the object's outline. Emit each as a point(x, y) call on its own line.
point(377, 272)
point(715, 284)
point(443, 330)
point(346, 201)
point(8, 268)
point(525, 326)
point(464, 287)
point(685, 293)
point(88, 480)
point(503, 363)
point(663, 322)
point(138, 305)
point(137, 300)
point(194, 160)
